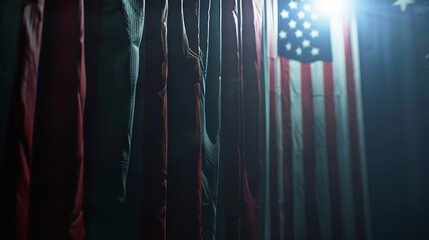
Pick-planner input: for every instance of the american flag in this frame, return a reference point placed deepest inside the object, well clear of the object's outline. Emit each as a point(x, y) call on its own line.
point(316, 123)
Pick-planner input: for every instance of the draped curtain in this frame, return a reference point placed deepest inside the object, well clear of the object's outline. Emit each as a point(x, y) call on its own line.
point(184, 119)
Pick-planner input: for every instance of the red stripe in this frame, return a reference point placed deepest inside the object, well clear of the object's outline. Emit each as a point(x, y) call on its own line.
point(354, 135)
point(312, 220)
point(331, 140)
point(287, 147)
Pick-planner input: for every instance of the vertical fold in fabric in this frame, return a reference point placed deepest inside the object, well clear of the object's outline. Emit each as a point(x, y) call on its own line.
point(265, 213)
point(154, 172)
point(230, 179)
point(311, 216)
point(322, 188)
point(57, 170)
point(354, 131)
point(134, 13)
point(277, 165)
point(16, 166)
point(298, 179)
point(114, 69)
point(361, 129)
point(210, 47)
point(251, 12)
point(275, 194)
point(342, 128)
point(331, 142)
point(10, 60)
point(184, 121)
point(287, 149)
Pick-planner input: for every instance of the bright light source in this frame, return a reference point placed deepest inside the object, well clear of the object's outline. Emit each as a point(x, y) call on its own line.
point(331, 7)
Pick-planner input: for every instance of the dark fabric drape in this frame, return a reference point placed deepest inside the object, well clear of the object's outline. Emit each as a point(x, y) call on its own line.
point(395, 70)
point(240, 162)
point(210, 47)
point(45, 140)
point(229, 227)
point(115, 33)
point(154, 157)
point(57, 165)
point(187, 119)
point(10, 22)
point(251, 111)
point(184, 121)
point(19, 149)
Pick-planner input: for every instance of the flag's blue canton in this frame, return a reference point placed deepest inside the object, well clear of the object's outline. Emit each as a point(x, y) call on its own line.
point(303, 33)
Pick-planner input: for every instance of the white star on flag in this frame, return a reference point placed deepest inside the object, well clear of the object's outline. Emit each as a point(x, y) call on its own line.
point(288, 46)
point(307, 25)
point(292, 24)
point(298, 33)
point(293, 5)
point(306, 43)
point(282, 34)
point(298, 51)
point(315, 51)
point(301, 15)
point(284, 14)
point(307, 8)
point(314, 34)
point(403, 4)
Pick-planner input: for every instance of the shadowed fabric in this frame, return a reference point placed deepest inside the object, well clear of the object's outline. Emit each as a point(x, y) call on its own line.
point(184, 121)
point(154, 162)
point(56, 192)
point(113, 75)
point(210, 46)
point(394, 48)
point(46, 145)
point(10, 30)
point(240, 163)
point(229, 165)
point(15, 170)
point(251, 111)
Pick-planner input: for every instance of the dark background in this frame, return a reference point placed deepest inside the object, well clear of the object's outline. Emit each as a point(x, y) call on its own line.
point(395, 84)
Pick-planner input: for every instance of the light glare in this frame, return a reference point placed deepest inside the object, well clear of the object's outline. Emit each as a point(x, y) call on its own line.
point(331, 7)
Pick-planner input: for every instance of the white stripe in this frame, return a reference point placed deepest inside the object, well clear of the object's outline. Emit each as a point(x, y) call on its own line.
point(342, 120)
point(321, 151)
point(279, 133)
point(362, 153)
point(297, 150)
point(275, 27)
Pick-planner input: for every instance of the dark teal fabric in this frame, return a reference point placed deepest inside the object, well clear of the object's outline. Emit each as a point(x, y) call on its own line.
point(148, 154)
point(114, 34)
point(395, 74)
point(10, 22)
point(210, 45)
point(184, 121)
